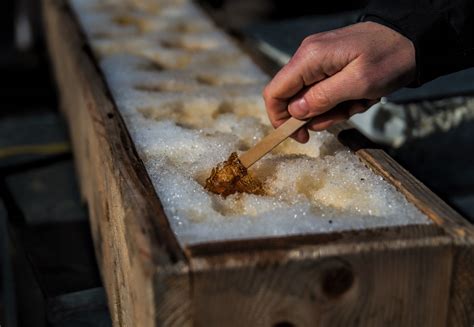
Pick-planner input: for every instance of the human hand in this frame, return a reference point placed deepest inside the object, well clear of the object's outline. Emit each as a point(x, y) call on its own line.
point(336, 74)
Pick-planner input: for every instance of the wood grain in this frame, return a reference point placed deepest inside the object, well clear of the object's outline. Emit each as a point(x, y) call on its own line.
point(139, 257)
point(294, 242)
point(461, 306)
point(360, 284)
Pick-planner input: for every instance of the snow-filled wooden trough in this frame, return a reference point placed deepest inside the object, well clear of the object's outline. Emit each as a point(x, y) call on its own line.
point(155, 95)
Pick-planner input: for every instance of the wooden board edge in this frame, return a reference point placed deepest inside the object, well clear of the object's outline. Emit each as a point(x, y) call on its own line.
point(461, 304)
point(116, 134)
point(222, 260)
point(141, 261)
point(415, 191)
point(252, 280)
point(292, 242)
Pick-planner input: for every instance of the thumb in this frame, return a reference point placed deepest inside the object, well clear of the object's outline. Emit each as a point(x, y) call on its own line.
point(348, 84)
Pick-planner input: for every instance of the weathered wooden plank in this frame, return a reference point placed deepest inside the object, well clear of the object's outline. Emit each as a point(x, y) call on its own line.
point(402, 283)
point(140, 259)
point(417, 193)
point(293, 242)
point(461, 306)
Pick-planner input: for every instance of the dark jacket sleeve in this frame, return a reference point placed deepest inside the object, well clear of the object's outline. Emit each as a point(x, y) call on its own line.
point(441, 30)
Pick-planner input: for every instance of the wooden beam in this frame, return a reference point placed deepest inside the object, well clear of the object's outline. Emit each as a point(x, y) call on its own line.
point(140, 259)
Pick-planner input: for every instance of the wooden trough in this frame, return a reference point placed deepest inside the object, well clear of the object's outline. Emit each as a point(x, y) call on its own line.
point(419, 275)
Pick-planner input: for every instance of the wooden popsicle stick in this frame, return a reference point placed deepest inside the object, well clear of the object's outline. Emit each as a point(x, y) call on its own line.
point(270, 141)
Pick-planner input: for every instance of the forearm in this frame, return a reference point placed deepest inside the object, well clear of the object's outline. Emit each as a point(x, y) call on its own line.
point(442, 32)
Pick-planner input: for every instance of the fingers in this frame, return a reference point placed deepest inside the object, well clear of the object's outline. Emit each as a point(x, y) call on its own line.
point(277, 111)
point(348, 84)
point(341, 113)
point(305, 68)
point(301, 135)
point(330, 101)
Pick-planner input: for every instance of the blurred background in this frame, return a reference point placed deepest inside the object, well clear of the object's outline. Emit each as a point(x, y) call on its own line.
point(48, 273)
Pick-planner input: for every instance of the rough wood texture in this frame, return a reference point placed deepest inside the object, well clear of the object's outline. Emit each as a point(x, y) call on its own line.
point(400, 276)
point(139, 257)
point(353, 284)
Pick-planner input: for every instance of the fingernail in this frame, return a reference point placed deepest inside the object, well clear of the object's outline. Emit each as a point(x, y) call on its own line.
point(299, 108)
